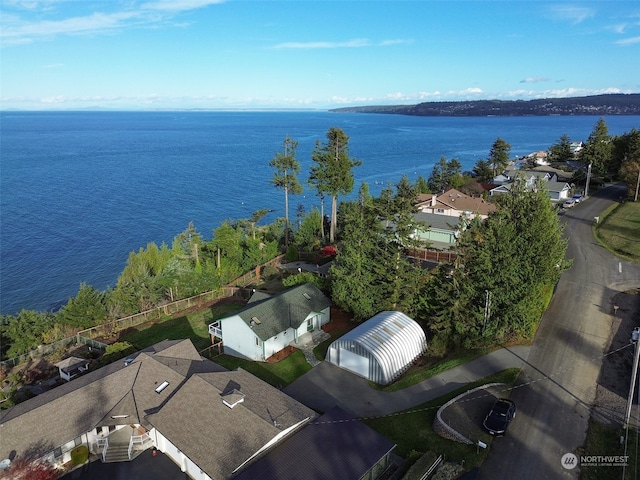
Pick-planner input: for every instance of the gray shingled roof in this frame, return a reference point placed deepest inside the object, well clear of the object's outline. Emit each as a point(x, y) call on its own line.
point(285, 310)
point(220, 439)
point(433, 220)
point(64, 413)
point(334, 446)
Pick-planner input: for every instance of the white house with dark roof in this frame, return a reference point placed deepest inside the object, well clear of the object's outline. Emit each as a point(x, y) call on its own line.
point(268, 324)
point(165, 396)
point(71, 367)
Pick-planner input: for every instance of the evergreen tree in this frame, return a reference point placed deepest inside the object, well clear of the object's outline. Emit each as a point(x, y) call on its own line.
point(507, 265)
point(86, 309)
point(421, 185)
point(499, 156)
point(287, 167)
point(561, 151)
point(371, 272)
point(626, 159)
point(331, 174)
point(598, 150)
point(483, 171)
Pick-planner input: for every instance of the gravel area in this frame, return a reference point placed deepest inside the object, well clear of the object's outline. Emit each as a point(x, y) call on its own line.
point(615, 375)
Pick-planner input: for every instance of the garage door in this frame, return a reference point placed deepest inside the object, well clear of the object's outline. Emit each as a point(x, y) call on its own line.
point(354, 362)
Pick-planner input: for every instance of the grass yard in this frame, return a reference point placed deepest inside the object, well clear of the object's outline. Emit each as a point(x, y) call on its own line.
point(412, 430)
point(605, 440)
point(194, 326)
point(419, 372)
point(278, 374)
point(619, 230)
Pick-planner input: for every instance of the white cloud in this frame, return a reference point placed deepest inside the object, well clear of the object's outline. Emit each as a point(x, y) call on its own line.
point(178, 5)
point(573, 14)
point(354, 43)
point(628, 41)
point(534, 80)
point(18, 31)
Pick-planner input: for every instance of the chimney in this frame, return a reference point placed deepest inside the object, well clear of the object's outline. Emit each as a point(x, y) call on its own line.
point(433, 200)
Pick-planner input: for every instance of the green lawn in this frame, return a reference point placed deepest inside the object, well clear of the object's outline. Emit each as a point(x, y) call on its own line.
point(194, 326)
point(278, 374)
point(412, 430)
point(605, 440)
point(619, 230)
point(418, 373)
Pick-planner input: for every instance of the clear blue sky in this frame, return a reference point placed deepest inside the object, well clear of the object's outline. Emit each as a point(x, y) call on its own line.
point(171, 54)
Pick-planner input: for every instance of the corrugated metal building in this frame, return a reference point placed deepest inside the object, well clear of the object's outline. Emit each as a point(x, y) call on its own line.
point(381, 348)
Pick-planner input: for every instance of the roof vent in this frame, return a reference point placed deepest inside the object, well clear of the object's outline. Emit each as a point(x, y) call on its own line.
point(128, 361)
point(232, 398)
point(306, 295)
point(162, 386)
point(256, 320)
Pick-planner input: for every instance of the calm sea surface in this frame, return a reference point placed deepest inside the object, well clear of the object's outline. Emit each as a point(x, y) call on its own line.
point(80, 190)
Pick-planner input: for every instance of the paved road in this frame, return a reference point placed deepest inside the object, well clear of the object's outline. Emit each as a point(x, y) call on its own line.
point(566, 356)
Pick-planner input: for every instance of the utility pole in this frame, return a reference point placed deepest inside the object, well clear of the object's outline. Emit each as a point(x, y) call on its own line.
point(586, 188)
point(637, 184)
point(636, 356)
point(487, 309)
point(635, 338)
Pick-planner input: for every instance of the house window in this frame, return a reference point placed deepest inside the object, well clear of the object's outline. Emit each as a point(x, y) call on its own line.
point(440, 210)
point(257, 341)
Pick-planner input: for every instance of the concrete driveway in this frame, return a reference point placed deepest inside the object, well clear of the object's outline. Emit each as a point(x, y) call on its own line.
point(144, 467)
point(327, 385)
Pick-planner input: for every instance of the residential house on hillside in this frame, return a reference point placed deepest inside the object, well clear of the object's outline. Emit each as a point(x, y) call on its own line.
point(165, 396)
point(558, 191)
point(454, 203)
point(442, 231)
point(268, 324)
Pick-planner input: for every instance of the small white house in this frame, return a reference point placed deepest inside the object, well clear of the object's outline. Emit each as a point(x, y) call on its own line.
point(380, 349)
point(268, 324)
point(71, 367)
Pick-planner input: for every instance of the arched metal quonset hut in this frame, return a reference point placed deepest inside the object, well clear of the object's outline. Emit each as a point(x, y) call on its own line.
point(381, 348)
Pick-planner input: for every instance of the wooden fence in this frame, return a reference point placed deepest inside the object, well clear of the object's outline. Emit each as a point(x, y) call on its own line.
point(432, 255)
point(43, 350)
point(109, 328)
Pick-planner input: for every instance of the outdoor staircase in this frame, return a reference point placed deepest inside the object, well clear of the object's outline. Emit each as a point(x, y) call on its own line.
point(117, 453)
point(120, 450)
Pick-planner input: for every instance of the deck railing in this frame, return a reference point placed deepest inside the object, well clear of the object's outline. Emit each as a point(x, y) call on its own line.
point(104, 443)
point(137, 439)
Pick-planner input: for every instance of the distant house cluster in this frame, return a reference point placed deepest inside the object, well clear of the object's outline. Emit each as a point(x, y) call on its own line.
point(446, 214)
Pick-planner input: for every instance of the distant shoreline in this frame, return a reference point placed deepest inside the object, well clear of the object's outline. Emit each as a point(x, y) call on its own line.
point(595, 105)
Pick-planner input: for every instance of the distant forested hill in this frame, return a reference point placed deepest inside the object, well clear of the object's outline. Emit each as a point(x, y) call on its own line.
point(612, 104)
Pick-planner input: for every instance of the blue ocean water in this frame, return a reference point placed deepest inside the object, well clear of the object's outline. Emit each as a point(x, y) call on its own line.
point(80, 190)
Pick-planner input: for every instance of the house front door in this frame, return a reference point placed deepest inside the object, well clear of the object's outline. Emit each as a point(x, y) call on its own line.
point(309, 324)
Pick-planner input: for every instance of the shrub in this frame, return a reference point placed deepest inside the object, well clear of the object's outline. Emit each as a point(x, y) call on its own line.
point(80, 455)
point(292, 254)
point(116, 351)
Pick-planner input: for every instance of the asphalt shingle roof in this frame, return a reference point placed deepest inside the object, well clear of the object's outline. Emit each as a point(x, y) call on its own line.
point(284, 310)
point(334, 446)
point(220, 439)
point(64, 413)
